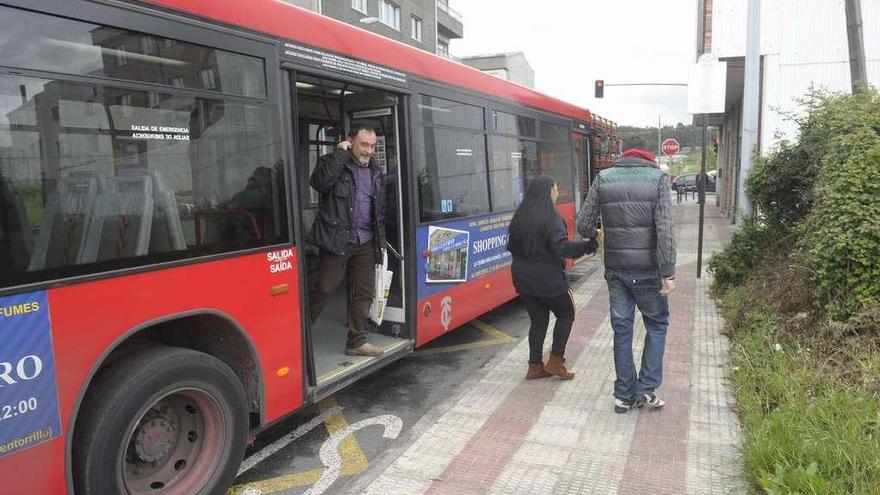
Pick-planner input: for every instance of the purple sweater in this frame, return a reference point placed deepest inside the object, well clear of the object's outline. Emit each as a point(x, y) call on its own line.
point(360, 218)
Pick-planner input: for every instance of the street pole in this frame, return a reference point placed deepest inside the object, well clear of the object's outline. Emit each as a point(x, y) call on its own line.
point(750, 106)
point(702, 193)
point(857, 70)
point(658, 140)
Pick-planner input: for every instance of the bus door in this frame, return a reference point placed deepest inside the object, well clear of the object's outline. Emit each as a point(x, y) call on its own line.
point(324, 110)
point(582, 158)
point(385, 120)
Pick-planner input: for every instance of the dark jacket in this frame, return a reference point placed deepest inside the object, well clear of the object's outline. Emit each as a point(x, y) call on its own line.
point(634, 201)
point(543, 273)
point(335, 182)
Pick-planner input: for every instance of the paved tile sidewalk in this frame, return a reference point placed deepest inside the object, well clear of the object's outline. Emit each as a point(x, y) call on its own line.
point(508, 436)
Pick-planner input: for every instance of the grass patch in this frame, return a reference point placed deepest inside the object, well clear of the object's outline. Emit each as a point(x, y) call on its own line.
point(810, 415)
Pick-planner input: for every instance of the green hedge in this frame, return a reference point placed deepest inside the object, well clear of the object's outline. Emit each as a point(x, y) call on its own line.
point(822, 194)
point(842, 232)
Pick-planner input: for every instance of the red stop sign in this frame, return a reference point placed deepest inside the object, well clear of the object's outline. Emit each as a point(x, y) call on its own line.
point(670, 147)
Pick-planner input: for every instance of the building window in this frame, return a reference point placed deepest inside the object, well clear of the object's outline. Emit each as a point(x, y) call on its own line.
point(416, 28)
point(121, 55)
point(124, 102)
point(176, 82)
point(359, 5)
point(208, 78)
point(443, 48)
point(389, 14)
point(148, 45)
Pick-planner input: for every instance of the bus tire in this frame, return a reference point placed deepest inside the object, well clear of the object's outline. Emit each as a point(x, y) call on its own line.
point(165, 421)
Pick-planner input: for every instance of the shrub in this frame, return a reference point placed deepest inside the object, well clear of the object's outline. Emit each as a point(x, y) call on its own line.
point(842, 233)
point(732, 265)
point(780, 185)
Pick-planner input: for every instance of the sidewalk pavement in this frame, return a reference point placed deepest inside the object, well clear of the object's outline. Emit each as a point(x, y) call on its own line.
point(508, 436)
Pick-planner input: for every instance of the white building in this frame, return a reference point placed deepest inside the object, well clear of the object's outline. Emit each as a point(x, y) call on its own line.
point(803, 45)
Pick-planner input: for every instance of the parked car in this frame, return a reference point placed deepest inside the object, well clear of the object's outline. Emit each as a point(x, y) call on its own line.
point(688, 182)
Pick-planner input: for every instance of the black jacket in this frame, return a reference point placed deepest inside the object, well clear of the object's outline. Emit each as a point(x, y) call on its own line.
point(543, 273)
point(335, 182)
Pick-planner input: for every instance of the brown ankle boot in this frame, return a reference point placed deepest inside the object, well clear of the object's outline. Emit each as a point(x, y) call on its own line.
point(556, 366)
point(536, 370)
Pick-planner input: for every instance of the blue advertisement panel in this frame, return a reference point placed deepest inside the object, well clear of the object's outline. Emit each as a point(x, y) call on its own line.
point(28, 394)
point(458, 251)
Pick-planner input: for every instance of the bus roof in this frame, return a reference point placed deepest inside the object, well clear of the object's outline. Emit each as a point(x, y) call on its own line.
point(295, 23)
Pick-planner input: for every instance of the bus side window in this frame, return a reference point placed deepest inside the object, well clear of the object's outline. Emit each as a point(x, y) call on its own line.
point(132, 177)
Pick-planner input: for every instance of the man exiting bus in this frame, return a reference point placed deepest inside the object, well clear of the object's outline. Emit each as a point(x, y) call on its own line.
point(350, 231)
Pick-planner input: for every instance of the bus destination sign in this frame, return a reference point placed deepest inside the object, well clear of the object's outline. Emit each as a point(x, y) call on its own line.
point(339, 63)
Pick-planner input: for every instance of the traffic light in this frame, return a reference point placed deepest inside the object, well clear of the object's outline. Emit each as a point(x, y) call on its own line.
point(600, 88)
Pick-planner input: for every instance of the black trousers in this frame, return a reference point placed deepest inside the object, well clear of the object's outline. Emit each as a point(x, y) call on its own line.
point(358, 268)
point(539, 309)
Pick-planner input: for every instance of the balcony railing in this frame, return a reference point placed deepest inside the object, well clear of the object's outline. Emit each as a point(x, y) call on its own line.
point(449, 10)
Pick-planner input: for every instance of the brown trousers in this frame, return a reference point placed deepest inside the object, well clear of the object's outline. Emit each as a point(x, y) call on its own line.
point(358, 267)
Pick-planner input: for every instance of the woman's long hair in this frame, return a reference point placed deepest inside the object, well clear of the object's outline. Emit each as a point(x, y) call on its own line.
point(528, 228)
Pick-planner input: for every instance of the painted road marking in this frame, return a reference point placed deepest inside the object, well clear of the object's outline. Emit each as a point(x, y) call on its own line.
point(353, 459)
point(498, 338)
point(282, 442)
point(330, 450)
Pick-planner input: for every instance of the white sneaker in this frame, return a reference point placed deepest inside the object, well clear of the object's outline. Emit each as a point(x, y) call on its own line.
point(650, 400)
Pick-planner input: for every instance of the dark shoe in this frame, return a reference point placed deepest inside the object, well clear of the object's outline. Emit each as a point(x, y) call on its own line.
point(536, 370)
point(365, 349)
point(556, 366)
point(650, 400)
point(621, 406)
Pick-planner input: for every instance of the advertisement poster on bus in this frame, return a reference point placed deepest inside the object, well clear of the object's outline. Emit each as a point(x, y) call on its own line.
point(28, 394)
point(447, 255)
point(459, 251)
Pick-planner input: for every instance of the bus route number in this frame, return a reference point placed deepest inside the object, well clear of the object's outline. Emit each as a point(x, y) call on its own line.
point(446, 206)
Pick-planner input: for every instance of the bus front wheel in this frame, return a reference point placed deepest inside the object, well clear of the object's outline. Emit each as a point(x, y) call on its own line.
point(164, 421)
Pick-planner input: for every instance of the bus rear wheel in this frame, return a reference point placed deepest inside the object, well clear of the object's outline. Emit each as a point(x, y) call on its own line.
point(165, 421)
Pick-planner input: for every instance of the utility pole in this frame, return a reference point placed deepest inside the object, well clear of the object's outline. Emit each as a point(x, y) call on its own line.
point(750, 110)
point(702, 193)
point(658, 138)
point(857, 71)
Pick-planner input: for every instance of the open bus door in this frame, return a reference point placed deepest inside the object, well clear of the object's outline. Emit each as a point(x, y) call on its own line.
point(582, 170)
point(387, 155)
point(324, 110)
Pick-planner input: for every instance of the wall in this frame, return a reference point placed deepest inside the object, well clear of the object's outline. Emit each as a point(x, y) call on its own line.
point(425, 9)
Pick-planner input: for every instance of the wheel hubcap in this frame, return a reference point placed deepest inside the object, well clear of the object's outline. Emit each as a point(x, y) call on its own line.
point(175, 446)
point(154, 440)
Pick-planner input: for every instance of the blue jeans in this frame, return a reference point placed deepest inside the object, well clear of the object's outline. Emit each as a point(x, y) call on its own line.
point(626, 293)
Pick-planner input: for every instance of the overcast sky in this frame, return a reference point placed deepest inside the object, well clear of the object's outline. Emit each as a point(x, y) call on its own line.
point(571, 43)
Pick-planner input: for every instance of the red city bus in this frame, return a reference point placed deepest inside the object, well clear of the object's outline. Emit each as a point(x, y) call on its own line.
point(155, 216)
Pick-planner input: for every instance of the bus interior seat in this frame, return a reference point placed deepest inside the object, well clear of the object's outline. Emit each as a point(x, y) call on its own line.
point(121, 220)
point(65, 222)
point(166, 231)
